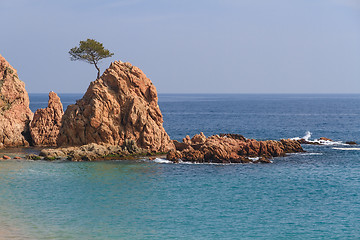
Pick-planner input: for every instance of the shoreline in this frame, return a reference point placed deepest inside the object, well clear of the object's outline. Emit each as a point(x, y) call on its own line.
point(23, 153)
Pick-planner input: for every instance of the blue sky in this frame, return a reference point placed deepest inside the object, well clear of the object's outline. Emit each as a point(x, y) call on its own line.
point(190, 46)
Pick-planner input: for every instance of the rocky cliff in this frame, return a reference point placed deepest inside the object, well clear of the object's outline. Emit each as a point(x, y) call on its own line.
point(45, 126)
point(15, 114)
point(122, 104)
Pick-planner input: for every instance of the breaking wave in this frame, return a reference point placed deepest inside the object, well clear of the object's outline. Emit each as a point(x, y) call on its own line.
point(318, 141)
point(306, 137)
point(161, 160)
point(327, 142)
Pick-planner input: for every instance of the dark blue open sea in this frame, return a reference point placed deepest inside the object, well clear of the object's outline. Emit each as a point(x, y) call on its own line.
point(313, 195)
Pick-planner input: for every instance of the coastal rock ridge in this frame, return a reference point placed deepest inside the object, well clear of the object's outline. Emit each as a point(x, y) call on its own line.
point(230, 148)
point(45, 126)
point(15, 114)
point(91, 152)
point(121, 105)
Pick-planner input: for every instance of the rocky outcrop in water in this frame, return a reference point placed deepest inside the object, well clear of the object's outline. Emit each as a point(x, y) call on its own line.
point(93, 151)
point(15, 114)
point(121, 105)
point(320, 141)
point(230, 148)
point(45, 126)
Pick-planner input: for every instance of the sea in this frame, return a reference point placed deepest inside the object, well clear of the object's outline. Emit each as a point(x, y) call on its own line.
point(311, 195)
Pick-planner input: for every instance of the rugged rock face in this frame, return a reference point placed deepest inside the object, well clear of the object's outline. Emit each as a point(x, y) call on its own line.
point(45, 126)
point(121, 105)
point(230, 148)
point(15, 114)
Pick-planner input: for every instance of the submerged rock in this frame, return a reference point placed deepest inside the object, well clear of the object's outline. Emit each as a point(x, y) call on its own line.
point(320, 141)
point(45, 126)
point(230, 149)
point(122, 104)
point(15, 114)
point(325, 139)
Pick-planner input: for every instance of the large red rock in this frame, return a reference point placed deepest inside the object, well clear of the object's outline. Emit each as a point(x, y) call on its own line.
point(231, 148)
point(15, 114)
point(122, 104)
point(45, 126)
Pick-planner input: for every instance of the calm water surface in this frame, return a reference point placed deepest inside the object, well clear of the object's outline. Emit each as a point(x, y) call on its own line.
point(311, 195)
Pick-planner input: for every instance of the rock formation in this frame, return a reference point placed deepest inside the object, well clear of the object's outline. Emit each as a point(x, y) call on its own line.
point(320, 141)
point(15, 114)
point(92, 151)
point(122, 104)
point(45, 126)
point(230, 148)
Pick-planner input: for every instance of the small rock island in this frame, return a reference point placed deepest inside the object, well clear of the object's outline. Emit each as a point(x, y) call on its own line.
point(118, 117)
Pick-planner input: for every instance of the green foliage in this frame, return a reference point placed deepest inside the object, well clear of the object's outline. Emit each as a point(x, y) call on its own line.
point(33, 157)
point(5, 104)
point(5, 107)
point(111, 157)
point(90, 51)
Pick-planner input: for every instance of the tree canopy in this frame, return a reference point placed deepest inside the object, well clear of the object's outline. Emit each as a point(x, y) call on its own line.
point(90, 51)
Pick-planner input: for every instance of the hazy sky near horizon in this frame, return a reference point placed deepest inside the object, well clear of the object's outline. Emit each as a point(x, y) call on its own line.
point(189, 46)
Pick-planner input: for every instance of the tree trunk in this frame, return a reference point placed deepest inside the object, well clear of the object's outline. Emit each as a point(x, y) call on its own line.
point(98, 69)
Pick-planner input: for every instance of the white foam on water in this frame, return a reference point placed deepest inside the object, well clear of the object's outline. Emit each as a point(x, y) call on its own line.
point(205, 163)
point(346, 149)
point(311, 154)
point(328, 143)
point(164, 161)
point(161, 160)
point(321, 142)
point(306, 137)
point(182, 162)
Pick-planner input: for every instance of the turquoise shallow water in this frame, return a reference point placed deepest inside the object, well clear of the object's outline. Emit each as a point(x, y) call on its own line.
point(311, 195)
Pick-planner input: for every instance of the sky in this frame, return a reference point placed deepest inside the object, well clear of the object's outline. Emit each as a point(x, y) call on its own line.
point(189, 46)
